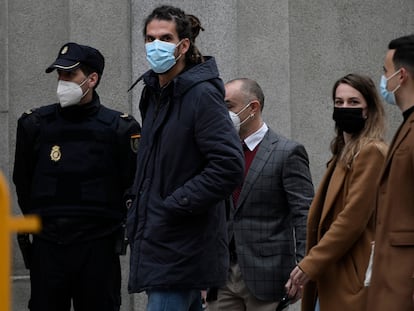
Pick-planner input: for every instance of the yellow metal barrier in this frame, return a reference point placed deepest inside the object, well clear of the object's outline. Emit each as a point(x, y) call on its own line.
point(8, 225)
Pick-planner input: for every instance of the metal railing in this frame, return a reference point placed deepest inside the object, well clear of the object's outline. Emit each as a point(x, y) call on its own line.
point(8, 225)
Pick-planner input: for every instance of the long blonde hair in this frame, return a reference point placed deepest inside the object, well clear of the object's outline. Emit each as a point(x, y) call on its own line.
point(374, 128)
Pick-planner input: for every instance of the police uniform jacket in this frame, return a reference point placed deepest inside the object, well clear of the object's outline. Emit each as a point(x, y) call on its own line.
point(73, 166)
point(189, 160)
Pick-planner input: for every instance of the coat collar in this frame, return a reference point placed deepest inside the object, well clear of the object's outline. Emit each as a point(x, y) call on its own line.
point(335, 186)
point(399, 136)
point(190, 76)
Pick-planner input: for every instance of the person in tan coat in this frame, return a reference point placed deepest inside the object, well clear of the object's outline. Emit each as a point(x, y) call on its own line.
point(392, 284)
point(341, 218)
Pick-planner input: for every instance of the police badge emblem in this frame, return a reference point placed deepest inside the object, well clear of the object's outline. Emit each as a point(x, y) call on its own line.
point(135, 142)
point(55, 153)
point(64, 50)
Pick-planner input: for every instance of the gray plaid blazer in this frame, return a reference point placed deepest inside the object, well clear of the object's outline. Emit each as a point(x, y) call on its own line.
point(269, 221)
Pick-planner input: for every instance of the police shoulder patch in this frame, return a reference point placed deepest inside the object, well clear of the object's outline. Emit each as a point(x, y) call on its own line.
point(134, 142)
point(126, 117)
point(27, 112)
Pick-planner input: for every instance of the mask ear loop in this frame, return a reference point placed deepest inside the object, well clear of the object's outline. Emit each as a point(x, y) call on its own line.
point(244, 108)
point(80, 85)
point(394, 74)
point(178, 57)
point(176, 46)
point(83, 82)
point(396, 88)
point(390, 77)
point(250, 115)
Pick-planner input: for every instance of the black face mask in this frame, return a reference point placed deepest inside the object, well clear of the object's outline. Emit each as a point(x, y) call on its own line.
point(349, 120)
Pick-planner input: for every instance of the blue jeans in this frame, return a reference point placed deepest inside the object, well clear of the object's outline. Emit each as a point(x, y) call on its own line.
point(317, 307)
point(174, 300)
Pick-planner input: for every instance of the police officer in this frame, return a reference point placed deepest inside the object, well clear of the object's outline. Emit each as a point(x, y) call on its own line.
point(74, 163)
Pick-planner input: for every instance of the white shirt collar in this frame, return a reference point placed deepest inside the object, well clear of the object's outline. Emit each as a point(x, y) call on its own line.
point(254, 139)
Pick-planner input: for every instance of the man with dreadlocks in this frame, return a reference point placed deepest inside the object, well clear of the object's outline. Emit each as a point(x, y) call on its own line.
point(189, 161)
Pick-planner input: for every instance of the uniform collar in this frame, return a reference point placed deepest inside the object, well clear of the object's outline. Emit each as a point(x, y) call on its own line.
point(81, 111)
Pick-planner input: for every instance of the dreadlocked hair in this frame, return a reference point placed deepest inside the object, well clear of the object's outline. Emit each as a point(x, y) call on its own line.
point(194, 54)
point(187, 26)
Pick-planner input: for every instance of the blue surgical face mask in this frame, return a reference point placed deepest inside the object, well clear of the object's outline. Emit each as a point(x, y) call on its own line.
point(160, 55)
point(388, 96)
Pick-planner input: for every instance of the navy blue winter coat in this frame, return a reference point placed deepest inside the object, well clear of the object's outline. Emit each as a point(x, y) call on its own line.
point(189, 160)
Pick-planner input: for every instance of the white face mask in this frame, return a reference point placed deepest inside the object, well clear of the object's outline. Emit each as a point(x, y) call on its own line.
point(70, 93)
point(236, 118)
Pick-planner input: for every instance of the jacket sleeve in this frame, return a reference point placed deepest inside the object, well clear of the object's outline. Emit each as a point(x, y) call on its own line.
point(220, 147)
point(129, 132)
point(359, 205)
point(28, 127)
point(297, 183)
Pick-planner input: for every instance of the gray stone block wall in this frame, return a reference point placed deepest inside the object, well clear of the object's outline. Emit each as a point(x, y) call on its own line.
point(329, 39)
point(295, 49)
point(4, 105)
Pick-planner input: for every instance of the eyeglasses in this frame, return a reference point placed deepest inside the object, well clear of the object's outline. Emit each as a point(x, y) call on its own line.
point(283, 303)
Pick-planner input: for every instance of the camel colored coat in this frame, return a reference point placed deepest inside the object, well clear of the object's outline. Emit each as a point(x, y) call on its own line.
point(339, 233)
point(392, 283)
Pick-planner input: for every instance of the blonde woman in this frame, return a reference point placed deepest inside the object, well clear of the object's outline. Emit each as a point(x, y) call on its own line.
point(341, 218)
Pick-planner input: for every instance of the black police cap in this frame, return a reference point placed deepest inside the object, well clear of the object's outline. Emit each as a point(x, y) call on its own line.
point(72, 55)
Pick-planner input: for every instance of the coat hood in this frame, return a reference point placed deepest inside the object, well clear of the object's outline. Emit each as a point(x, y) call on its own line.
point(189, 77)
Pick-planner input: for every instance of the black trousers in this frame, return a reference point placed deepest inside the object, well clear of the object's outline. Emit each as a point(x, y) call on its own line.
point(87, 274)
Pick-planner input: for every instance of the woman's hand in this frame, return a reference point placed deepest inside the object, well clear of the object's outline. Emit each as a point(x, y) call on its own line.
point(295, 284)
